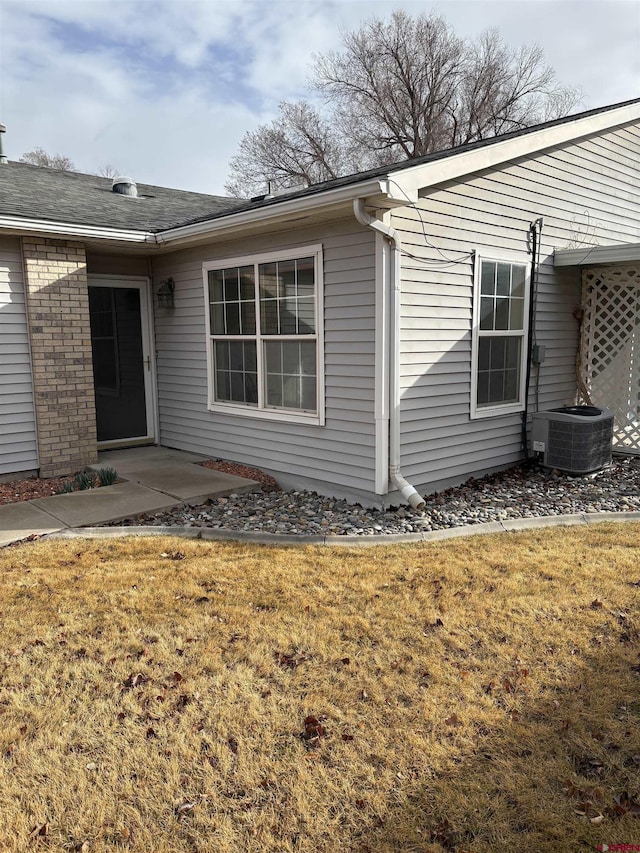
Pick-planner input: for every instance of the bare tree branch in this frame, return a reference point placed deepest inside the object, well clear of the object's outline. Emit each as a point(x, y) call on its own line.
point(39, 157)
point(108, 171)
point(399, 89)
point(299, 146)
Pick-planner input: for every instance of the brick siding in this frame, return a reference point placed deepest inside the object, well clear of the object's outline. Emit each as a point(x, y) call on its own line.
point(58, 307)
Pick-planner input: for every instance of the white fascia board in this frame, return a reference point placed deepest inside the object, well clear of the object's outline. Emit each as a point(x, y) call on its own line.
point(495, 153)
point(594, 255)
point(379, 187)
point(68, 229)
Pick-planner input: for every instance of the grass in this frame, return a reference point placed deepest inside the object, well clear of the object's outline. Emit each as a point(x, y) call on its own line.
point(473, 695)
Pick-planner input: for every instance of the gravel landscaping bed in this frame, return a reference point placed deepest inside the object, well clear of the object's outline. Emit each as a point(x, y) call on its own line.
point(527, 491)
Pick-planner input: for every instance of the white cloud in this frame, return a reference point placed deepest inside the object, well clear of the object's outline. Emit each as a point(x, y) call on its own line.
point(165, 90)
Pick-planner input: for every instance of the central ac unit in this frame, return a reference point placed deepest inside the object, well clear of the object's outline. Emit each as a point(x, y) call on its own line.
point(576, 439)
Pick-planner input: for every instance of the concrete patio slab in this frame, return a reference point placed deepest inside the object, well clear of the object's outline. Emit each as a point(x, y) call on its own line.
point(19, 520)
point(131, 458)
point(188, 482)
point(108, 503)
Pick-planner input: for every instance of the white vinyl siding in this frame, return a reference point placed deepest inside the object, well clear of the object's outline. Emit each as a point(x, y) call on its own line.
point(18, 447)
point(587, 194)
point(341, 452)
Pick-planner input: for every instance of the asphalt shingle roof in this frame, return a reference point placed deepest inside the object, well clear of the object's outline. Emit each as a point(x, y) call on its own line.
point(35, 192)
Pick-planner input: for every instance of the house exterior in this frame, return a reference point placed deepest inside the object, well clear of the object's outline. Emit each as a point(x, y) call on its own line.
point(378, 337)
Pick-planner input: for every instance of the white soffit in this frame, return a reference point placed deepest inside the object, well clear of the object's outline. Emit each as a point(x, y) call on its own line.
point(595, 255)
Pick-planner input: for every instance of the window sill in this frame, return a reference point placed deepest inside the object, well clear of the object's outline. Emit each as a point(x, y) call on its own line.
point(496, 411)
point(288, 416)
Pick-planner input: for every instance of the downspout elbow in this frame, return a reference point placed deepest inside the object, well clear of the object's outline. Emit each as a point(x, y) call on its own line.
point(414, 498)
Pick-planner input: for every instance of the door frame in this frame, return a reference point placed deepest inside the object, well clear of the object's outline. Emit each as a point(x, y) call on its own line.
point(143, 285)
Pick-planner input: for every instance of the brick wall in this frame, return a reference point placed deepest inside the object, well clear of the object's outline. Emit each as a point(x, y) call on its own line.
point(58, 307)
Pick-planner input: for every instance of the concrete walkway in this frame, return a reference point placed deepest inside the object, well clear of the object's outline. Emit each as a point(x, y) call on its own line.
point(156, 478)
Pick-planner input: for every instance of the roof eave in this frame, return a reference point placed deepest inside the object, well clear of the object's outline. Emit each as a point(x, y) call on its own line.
point(378, 192)
point(47, 228)
point(619, 253)
point(446, 168)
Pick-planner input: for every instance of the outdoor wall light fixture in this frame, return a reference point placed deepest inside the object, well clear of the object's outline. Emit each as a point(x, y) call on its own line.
point(165, 293)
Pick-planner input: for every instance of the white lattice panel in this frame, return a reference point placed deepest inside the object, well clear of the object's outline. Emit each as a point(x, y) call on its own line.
point(610, 348)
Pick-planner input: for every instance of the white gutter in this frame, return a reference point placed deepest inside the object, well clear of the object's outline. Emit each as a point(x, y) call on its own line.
point(44, 226)
point(617, 254)
point(391, 235)
point(293, 207)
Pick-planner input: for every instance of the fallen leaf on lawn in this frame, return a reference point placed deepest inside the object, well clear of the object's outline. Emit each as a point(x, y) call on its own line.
point(453, 720)
point(40, 831)
point(597, 819)
point(184, 808)
point(135, 680)
point(314, 731)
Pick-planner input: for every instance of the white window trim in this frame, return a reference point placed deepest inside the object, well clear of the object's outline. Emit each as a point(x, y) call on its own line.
point(288, 415)
point(479, 412)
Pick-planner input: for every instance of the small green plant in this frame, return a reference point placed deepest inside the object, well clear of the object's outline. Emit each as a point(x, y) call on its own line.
point(65, 488)
point(107, 476)
point(84, 480)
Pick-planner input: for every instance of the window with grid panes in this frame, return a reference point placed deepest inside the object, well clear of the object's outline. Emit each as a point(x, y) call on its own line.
point(263, 333)
point(499, 340)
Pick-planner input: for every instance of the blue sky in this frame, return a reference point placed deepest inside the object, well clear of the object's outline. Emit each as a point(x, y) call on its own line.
point(165, 89)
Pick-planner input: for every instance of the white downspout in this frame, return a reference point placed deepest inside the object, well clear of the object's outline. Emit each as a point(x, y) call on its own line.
point(391, 235)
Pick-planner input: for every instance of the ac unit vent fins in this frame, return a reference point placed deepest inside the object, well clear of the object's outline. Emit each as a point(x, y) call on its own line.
point(575, 439)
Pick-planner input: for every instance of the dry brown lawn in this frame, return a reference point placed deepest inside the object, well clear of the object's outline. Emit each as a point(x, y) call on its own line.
point(474, 695)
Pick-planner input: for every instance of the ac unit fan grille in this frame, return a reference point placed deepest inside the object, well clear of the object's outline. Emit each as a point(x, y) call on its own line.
point(577, 446)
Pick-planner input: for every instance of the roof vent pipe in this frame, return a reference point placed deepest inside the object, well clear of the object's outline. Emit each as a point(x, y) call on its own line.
point(3, 159)
point(124, 186)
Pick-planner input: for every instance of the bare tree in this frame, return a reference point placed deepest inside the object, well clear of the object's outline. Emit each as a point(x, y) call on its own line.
point(300, 146)
point(399, 89)
point(108, 171)
point(40, 157)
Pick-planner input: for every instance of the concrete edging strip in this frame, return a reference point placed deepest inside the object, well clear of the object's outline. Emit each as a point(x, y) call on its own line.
point(258, 538)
